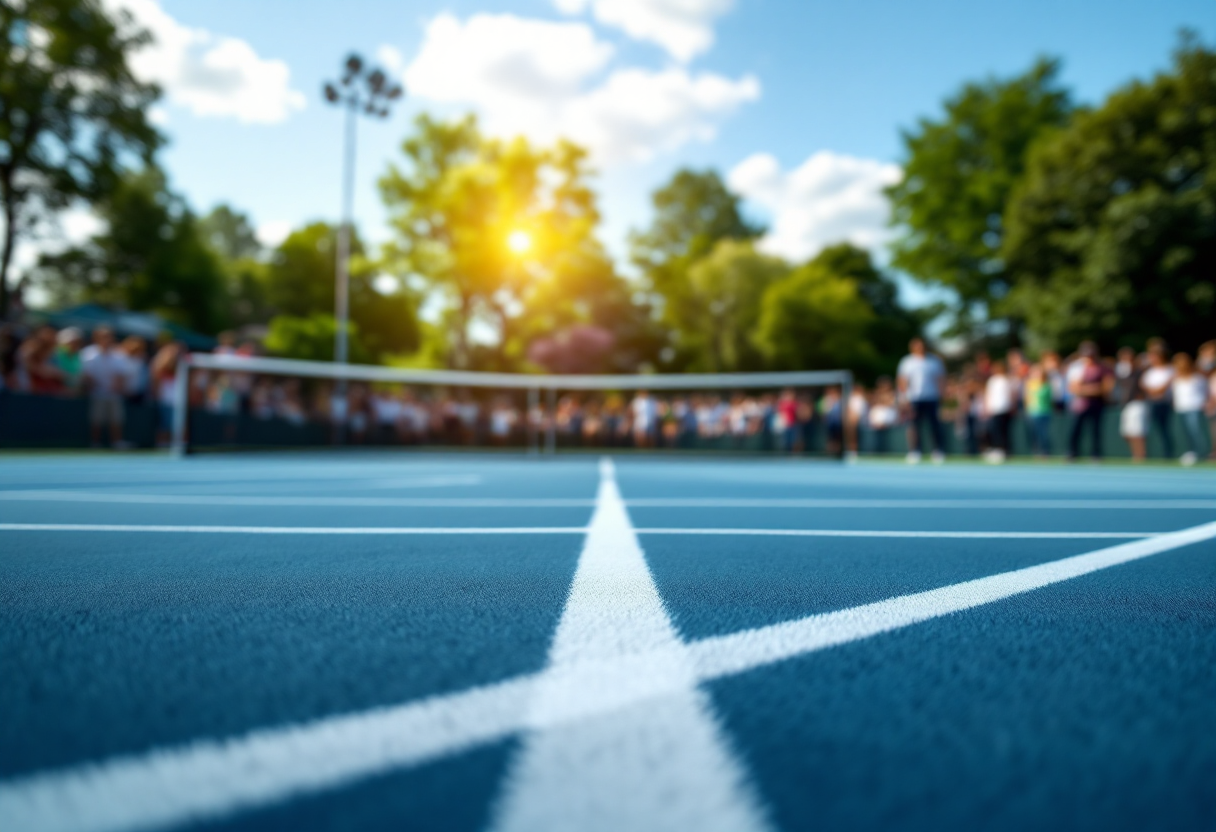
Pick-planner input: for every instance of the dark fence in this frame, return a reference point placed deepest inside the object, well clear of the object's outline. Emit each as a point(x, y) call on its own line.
point(36, 421)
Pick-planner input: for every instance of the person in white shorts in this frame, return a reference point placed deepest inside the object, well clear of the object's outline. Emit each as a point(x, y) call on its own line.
point(105, 371)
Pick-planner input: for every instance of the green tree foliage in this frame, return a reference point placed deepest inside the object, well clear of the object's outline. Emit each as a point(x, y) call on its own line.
point(692, 213)
point(230, 235)
point(70, 111)
point(1112, 235)
point(311, 338)
point(959, 171)
point(892, 326)
point(723, 305)
point(454, 206)
point(299, 285)
point(815, 319)
point(150, 257)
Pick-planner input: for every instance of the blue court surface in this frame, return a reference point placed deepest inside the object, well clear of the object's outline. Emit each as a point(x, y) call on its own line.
point(429, 642)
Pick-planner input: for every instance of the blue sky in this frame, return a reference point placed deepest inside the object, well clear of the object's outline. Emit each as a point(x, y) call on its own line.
point(799, 102)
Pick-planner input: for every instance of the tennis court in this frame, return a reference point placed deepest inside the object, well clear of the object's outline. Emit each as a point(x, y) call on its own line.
point(446, 641)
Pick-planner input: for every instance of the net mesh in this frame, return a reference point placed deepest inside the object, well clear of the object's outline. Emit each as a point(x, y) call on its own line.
point(234, 402)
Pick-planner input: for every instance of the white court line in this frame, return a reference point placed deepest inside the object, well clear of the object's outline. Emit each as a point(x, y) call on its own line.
point(215, 778)
point(38, 496)
point(47, 496)
point(389, 530)
point(322, 530)
point(658, 764)
point(714, 502)
point(905, 534)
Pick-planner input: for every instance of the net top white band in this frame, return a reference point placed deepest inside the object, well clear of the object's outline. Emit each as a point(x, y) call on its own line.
point(466, 378)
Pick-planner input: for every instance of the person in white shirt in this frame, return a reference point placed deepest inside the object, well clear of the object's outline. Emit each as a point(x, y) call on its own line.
point(1190, 392)
point(1156, 383)
point(645, 416)
point(999, 401)
point(922, 378)
point(105, 370)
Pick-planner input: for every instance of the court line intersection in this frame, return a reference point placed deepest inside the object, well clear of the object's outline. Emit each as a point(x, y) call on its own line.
point(616, 665)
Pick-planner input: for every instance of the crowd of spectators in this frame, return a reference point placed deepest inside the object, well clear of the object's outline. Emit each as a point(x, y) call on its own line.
point(983, 404)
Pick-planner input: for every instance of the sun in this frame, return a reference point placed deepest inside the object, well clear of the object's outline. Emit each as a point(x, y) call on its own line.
point(520, 242)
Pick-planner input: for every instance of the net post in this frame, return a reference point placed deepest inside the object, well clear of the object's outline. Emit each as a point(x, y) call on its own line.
point(551, 423)
point(533, 436)
point(181, 406)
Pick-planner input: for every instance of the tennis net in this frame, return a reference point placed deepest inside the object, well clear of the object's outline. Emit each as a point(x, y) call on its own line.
point(232, 402)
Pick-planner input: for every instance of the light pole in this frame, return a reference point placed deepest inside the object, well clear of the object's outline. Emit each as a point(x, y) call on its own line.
point(367, 90)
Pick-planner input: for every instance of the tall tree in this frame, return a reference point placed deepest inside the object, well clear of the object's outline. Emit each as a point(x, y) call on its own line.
point(723, 305)
point(230, 235)
point(71, 111)
point(815, 319)
point(1112, 235)
point(959, 170)
point(149, 257)
point(892, 325)
point(299, 285)
point(489, 225)
point(693, 212)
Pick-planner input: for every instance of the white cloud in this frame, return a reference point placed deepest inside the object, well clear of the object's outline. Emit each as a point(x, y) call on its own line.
point(272, 232)
point(208, 74)
point(829, 198)
point(683, 27)
point(542, 79)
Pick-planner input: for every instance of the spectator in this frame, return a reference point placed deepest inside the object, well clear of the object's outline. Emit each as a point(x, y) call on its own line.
point(922, 378)
point(1129, 396)
point(136, 352)
point(645, 419)
point(1037, 404)
point(163, 376)
point(105, 371)
point(787, 420)
point(999, 399)
point(855, 418)
point(1089, 385)
point(70, 341)
point(1190, 394)
point(883, 414)
point(36, 370)
point(1156, 383)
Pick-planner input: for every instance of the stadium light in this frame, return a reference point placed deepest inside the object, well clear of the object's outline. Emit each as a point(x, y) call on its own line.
point(367, 90)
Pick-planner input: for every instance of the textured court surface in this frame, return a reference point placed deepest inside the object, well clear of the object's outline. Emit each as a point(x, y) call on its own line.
point(450, 643)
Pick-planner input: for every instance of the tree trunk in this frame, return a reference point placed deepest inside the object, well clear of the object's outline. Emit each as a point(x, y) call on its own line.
point(6, 255)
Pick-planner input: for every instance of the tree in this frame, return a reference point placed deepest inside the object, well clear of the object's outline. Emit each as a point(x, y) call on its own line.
point(299, 284)
point(71, 112)
point(230, 235)
point(892, 326)
point(1112, 234)
point(693, 213)
point(311, 338)
point(815, 319)
point(723, 304)
point(959, 171)
point(458, 202)
point(150, 257)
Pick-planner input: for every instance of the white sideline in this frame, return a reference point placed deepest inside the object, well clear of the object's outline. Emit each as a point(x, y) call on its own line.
point(51, 495)
point(322, 530)
point(389, 530)
point(219, 777)
point(714, 502)
point(905, 534)
point(648, 753)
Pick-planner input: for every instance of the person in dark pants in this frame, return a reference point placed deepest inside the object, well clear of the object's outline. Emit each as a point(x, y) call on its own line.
point(1090, 384)
point(1156, 383)
point(922, 380)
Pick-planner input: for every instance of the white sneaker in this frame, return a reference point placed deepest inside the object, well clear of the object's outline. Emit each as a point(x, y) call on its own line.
point(938, 458)
point(913, 458)
point(850, 456)
point(1188, 459)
